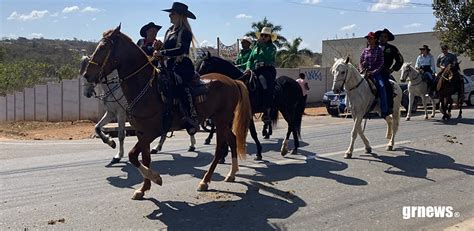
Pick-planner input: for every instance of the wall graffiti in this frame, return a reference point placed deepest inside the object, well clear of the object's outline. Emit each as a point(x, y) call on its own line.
point(314, 74)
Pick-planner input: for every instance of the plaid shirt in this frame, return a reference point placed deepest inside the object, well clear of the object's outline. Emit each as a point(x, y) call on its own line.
point(371, 59)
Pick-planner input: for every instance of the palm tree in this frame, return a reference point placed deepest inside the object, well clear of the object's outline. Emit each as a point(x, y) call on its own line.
point(291, 56)
point(257, 26)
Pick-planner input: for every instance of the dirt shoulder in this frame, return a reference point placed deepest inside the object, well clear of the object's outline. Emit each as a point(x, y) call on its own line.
point(34, 130)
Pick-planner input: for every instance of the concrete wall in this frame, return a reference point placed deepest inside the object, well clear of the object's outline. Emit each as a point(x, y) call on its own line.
point(41, 103)
point(71, 101)
point(29, 103)
point(10, 107)
point(19, 106)
point(55, 102)
point(3, 109)
point(408, 45)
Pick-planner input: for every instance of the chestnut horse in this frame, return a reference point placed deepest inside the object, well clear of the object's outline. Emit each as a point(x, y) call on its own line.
point(450, 82)
point(227, 101)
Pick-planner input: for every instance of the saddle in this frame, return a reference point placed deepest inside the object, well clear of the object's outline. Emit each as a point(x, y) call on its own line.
point(167, 88)
point(259, 92)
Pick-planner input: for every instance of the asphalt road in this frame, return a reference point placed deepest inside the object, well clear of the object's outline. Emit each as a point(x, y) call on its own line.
point(68, 183)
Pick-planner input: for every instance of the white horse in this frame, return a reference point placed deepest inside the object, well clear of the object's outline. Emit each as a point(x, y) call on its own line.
point(416, 87)
point(115, 106)
point(361, 98)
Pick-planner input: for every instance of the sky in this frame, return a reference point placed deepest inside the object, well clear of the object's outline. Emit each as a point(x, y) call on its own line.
point(312, 20)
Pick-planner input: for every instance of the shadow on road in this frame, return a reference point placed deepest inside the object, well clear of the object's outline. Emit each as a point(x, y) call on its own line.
point(416, 162)
point(178, 165)
point(251, 211)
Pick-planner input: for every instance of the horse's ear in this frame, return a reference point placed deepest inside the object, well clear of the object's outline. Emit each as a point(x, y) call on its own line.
point(335, 59)
point(347, 60)
point(117, 29)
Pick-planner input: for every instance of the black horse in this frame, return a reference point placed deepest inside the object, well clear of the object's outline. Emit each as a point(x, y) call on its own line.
point(287, 100)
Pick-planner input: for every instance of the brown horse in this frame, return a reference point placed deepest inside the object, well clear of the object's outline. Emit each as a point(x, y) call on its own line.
point(227, 101)
point(450, 82)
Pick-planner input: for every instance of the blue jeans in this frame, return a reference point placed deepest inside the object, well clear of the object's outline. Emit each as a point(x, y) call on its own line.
point(428, 77)
point(379, 83)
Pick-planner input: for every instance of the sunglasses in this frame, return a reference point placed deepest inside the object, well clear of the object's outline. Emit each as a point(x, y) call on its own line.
point(264, 35)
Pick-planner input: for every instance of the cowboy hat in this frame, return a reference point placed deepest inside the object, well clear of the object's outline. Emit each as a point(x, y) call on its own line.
point(370, 35)
point(268, 31)
point(425, 47)
point(247, 38)
point(391, 37)
point(148, 26)
point(181, 8)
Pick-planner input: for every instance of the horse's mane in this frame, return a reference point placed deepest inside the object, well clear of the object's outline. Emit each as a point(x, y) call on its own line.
point(125, 37)
point(224, 66)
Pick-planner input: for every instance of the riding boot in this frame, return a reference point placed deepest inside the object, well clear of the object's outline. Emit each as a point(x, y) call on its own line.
point(190, 115)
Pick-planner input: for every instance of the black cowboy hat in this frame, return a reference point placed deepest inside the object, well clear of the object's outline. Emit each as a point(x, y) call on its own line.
point(425, 47)
point(148, 26)
point(181, 8)
point(391, 37)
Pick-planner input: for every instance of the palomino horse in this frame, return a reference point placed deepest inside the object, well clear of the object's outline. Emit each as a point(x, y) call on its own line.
point(416, 87)
point(227, 101)
point(288, 100)
point(115, 106)
point(359, 94)
point(450, 82)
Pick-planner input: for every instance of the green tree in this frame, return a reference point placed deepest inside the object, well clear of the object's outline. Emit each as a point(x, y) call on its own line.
point(454, 24)
point(257, 26)
point(291, 55)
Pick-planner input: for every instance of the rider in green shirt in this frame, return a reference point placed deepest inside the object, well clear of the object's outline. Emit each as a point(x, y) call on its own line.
point(262, 63)
point(244, 54)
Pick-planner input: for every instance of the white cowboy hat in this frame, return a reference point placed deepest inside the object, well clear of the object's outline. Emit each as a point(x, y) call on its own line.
point(268, 31)
point(247, 38)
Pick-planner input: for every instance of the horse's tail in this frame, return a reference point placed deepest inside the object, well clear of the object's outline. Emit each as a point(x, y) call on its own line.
point(274, 116)
point(242, 116)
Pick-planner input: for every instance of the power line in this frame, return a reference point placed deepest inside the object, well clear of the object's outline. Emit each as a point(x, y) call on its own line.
point(353, 10)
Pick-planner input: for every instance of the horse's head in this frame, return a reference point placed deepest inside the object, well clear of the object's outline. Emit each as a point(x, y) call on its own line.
point(406, 71)
point(89, 88)
point(102, 62)
point(340, 71)
point(206, 65)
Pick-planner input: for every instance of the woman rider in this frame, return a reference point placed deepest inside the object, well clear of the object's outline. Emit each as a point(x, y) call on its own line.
point(262, 62)
point(148, 41)
point(175, 51)
point(425, 64)
point(371, 61)
point(243, 56)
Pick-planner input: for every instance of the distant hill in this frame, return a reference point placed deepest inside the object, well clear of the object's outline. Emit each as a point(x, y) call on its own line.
point(26, 62)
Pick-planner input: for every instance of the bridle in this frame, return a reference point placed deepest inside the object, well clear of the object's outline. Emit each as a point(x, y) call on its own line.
point(413, 79)
point(101, 74)
point(344, 81)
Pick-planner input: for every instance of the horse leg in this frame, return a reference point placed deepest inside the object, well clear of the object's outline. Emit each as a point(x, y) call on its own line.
point(192, 147)
point(389, 135)
point(433, 108)
point(211, 134)
point(159, 146)
point(296, 141)
point(394, 128)
point(204, 184)
point(231, 141)
point(121, 136)
point(423, 100)
point(143, 168)
point(253, 133)
point(98, 129)
point(460, 102)
point(284, 145)
point(355, 129)
point(411, 99)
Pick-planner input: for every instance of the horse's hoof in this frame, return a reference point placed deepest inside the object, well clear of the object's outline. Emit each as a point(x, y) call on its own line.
point(153, 151)
point(259, 157)
point(264, 133)
point(138, 195)
point(207, 142)
point(368, 150)
point(284, 151)
point(426, 117)
point(407, 119)
point(229, 179)
point(158, 148)
point(389, 148)
point(203, 187)
point(432, 116)
point(222, 161)
point(157, 180)
point(115, 160)
point(294, 152)
point(112, 144)
point(191, 149)
point(348, 156)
